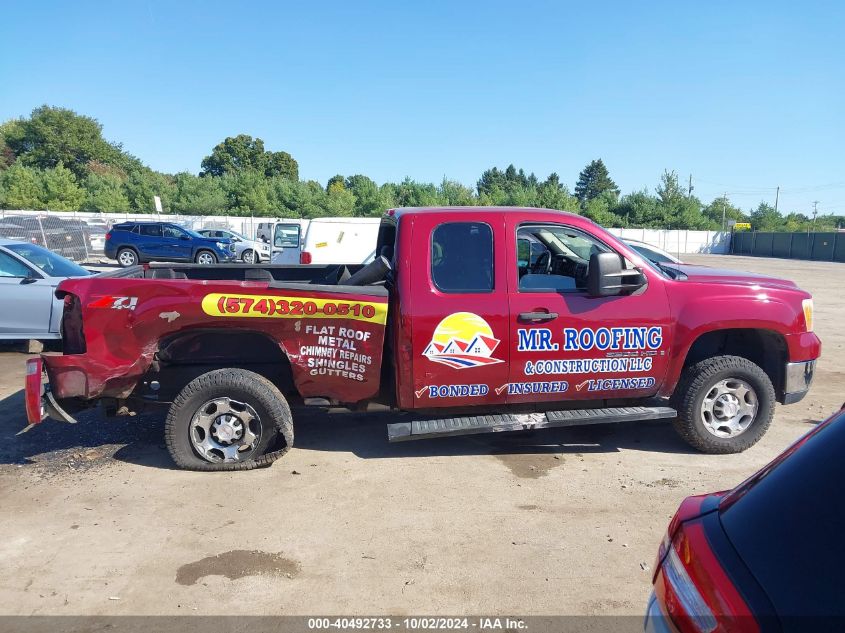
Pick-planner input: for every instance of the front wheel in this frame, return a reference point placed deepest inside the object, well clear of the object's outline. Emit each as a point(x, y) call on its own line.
point(248, 256)
point(725, 404)
point(228, 419)
point(206, 257)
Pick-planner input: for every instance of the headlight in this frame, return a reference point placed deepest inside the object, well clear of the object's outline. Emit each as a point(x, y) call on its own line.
point(221, 246)
point(807, 306)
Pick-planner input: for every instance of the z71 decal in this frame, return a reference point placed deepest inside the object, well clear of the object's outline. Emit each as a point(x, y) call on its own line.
point(265, 306)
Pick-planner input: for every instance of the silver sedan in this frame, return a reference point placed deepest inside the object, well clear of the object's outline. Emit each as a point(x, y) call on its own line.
point(29, 275)
point(247, 250)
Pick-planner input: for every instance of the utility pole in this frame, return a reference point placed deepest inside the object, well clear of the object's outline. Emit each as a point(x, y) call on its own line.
point(777, 195)
point(724, 208)
point(689, 188)
point(815, 212)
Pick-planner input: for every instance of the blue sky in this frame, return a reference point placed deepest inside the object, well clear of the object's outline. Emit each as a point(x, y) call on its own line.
point(744, 96)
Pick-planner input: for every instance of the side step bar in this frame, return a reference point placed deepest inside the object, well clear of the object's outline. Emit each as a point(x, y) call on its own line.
point(424, 429)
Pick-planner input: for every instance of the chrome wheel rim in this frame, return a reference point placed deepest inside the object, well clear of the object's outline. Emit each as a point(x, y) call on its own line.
point(729, 408)
point(205, 258)
point(249, 257)
point(225, 430)
point(126, 258)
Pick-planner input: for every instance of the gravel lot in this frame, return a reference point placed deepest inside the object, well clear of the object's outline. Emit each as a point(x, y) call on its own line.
point(95, 520)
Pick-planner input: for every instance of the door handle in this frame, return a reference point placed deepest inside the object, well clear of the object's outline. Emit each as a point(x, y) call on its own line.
point(537, 316)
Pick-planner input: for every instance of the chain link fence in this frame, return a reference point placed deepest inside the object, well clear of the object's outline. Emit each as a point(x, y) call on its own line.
point(81, 237)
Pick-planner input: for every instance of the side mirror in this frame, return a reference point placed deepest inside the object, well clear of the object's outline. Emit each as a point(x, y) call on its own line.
point(31, 278)
point(184, 238)
point(607, 278)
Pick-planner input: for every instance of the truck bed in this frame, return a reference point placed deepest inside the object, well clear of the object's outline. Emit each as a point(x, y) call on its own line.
point(121, 325)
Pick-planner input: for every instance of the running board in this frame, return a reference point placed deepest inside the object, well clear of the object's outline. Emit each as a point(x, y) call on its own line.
point(423, 429)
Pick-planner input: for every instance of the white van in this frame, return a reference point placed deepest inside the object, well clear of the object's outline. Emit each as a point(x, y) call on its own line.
point(324, 240)
point(286, 237)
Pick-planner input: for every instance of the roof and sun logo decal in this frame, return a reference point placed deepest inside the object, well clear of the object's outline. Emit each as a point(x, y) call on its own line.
point(462, 340)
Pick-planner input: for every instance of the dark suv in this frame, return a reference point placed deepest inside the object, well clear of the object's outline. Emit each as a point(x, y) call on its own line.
point(131, 243)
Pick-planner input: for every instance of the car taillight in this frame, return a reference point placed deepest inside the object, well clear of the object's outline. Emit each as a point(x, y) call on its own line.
point(108, 235)
point(305, 257)
point(695, 591)
point(32, 391)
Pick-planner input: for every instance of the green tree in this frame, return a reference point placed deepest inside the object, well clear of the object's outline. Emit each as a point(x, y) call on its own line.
point(143, 184)
point(21, 187)
point(453, 193)
point(57, 135)
point(61, 191)
point(204, 196)
point(598, 209)
point(721, 209)
point(551, 194)
point(104, 193)
point(765, 218)
point(593, 181)
point(245, 153)
point(368, 198)
point(249, 192)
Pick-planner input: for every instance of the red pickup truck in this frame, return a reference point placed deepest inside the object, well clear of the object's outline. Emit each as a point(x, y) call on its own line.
point(474, 319)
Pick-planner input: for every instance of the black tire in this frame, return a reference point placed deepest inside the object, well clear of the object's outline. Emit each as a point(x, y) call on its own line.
point(695, 384)
point(123, 257)
point(253, 259)
point(276, 436)
point(200, 253)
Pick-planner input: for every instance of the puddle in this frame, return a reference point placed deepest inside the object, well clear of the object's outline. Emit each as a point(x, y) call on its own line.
point(238, 563)
point(530, 466)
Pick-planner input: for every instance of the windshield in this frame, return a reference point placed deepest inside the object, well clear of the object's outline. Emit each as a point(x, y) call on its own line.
point(49, 263)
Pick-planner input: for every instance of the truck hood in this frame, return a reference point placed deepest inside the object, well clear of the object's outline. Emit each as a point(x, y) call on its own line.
point(719, 275)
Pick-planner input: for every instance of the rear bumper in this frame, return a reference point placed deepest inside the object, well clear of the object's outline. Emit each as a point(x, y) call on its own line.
point(797, 380)
point(39, 399)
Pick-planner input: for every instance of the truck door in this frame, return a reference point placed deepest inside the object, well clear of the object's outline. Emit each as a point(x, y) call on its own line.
point(568, 345)
point(460, 311)
point(287, 238)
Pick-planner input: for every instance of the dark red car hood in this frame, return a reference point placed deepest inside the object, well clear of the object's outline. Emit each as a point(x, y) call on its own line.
point(719, 275)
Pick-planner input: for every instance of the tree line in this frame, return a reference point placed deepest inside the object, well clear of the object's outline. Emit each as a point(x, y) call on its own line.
point(57, 159)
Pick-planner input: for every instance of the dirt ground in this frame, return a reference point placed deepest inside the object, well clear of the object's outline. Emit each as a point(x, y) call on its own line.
point(96, 521)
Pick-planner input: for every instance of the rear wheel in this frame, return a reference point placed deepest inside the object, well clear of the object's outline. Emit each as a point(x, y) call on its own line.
point(228, 419)
point(725, 404)
point(248, 256)
point(127, 257)
point(206, 257)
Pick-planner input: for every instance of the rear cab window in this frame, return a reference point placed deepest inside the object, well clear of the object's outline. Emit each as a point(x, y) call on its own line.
point(462, 257)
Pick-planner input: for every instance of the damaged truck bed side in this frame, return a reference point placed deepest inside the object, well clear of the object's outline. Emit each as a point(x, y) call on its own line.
point(477, 320)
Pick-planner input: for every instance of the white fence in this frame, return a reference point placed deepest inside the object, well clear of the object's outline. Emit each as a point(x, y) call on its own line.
point(80, 236)
point(680, 241)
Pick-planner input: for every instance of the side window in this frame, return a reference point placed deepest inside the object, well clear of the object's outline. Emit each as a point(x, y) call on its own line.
point(10, 267)
point(150, 230)
point(286, 236)
point(173, 231)
point(462, 257)
point(553, 258)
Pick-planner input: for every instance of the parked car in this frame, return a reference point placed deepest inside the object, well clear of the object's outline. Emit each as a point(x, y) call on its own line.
point(764, 556)
point(132, 243)
point(29, 275)
point(588, 332)
point(653, 253)
point(247, 250)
